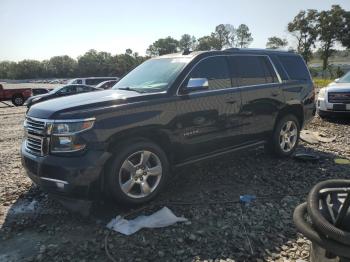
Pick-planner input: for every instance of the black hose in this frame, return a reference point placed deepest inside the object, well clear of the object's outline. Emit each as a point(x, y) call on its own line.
point(318, 220)
point(306, 229)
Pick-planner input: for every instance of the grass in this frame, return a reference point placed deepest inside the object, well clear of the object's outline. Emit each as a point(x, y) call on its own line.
point(320, 82)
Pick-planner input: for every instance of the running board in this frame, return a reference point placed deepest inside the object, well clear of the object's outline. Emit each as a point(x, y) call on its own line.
point(209, 156)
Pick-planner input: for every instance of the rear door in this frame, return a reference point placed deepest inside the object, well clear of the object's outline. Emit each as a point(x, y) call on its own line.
point(208, 119)
point(261, 95)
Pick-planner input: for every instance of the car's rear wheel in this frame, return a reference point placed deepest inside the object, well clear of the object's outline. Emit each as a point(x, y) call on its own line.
point(285, 137)
point(137, 173)
point(18, 100)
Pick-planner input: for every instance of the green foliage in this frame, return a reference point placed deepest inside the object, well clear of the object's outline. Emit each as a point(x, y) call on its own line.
point(320, 82)
point(304, 29)
point(92, 63)
point(187, 42)
point(344, 36)
point(275, 42)
point(330, 25)
point(163, 46)
point(244, 37)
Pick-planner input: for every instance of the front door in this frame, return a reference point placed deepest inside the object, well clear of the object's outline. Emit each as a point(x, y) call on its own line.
point(207, 120)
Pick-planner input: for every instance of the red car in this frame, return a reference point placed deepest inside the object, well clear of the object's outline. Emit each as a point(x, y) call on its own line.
point(16, 95)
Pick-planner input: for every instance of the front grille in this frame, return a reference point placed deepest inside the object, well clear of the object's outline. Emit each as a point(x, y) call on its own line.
point(339, 97)
point(34, 144)
point(36, 141)
point(35, 126)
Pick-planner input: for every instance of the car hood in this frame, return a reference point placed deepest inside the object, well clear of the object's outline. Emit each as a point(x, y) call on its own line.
point(338, 87)
point(76, 106)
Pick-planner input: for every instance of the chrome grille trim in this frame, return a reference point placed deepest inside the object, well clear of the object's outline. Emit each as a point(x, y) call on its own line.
point(339, 97)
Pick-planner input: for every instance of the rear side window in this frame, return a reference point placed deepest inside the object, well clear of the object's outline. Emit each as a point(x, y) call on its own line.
point(252, 70)
point(215, 69)
point(295, 67)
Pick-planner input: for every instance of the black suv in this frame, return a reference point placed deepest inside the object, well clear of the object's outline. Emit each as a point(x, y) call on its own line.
point(170, 111)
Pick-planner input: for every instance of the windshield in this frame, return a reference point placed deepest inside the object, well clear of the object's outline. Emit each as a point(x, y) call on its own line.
point(345, 78)
point(55, 90)
point(154, 75)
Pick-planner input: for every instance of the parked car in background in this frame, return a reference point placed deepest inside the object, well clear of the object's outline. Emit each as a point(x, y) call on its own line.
point(170, 111)
point(16, 95)
point(91, 81)
point(335, 98)
point(107, 84)
point(39, 91)
point(60, 92)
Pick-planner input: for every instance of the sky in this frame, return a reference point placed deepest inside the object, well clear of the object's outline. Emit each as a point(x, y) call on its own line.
point(40, 29)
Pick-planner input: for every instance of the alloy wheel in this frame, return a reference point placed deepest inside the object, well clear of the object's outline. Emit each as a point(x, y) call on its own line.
point(140, 174)
point(288, 136)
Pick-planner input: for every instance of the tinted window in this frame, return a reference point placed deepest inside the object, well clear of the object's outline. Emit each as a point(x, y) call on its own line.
point(94, 81)
point(79, 81)
point(252, 70)
point(81, 89)
point(295, 67)
point(215, 69)
point(67, 90)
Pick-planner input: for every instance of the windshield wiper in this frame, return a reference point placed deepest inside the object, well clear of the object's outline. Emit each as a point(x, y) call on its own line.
point(128, 88)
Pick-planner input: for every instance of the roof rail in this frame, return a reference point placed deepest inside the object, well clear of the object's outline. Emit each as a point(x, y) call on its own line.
point(232, 49)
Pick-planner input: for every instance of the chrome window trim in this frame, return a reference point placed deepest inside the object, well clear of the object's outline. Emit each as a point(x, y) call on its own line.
point(229, 88)
point(54, 180)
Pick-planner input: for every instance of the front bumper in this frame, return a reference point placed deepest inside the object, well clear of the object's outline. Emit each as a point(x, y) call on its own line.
point(76, 176)
point(323, 105)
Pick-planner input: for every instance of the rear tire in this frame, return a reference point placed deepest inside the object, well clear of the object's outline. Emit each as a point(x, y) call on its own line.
point(18, 100)
point(137, 173)
point(285, 137)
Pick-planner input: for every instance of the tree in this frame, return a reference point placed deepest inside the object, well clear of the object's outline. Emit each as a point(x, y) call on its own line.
point(187, 42)
point(204, 43)
point(304, 29)
point(163, 46)
point(28, 69)
point(244, 37)
point(275, 42)
point(94, 63)
point(344, 36)
point(60, 66)
point(330, 25)
point(128, 51)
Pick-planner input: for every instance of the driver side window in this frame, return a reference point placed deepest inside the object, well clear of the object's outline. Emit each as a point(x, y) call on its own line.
point(215, 69)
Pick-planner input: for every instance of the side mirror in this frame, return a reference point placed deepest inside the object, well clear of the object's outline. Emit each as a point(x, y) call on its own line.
point(196, 84)
point(336, 80)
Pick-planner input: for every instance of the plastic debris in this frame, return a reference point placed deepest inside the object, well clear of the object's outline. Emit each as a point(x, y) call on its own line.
point(307, 157)
point(313, 137)
point(342, 161)
point(247, 198)
point(162, 218)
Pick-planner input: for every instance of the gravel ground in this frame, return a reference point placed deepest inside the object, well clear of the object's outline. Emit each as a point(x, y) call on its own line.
point(35, 227)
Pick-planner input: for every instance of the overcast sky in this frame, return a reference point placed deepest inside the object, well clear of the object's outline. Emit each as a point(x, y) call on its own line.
point(40, 29)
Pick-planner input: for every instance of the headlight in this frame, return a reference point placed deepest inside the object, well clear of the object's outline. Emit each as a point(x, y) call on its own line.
point(64, 135)
point(322, 93)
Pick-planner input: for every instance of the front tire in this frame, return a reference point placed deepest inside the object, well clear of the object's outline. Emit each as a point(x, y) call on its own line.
point(137, 173)
point(285, 137)
point(18, 100)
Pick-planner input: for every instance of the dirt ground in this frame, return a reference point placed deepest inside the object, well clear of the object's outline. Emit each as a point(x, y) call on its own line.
point(35, 227)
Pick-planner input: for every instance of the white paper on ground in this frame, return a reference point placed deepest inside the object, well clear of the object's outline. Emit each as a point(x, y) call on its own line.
point(162, 218)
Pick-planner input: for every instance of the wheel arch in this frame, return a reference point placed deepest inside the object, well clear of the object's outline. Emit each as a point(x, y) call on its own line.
point(156, 135)
point(293, 109)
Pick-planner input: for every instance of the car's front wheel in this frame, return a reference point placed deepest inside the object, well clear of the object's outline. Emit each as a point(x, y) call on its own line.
point(285, 137)
point(137, 173)
point(17, 100)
